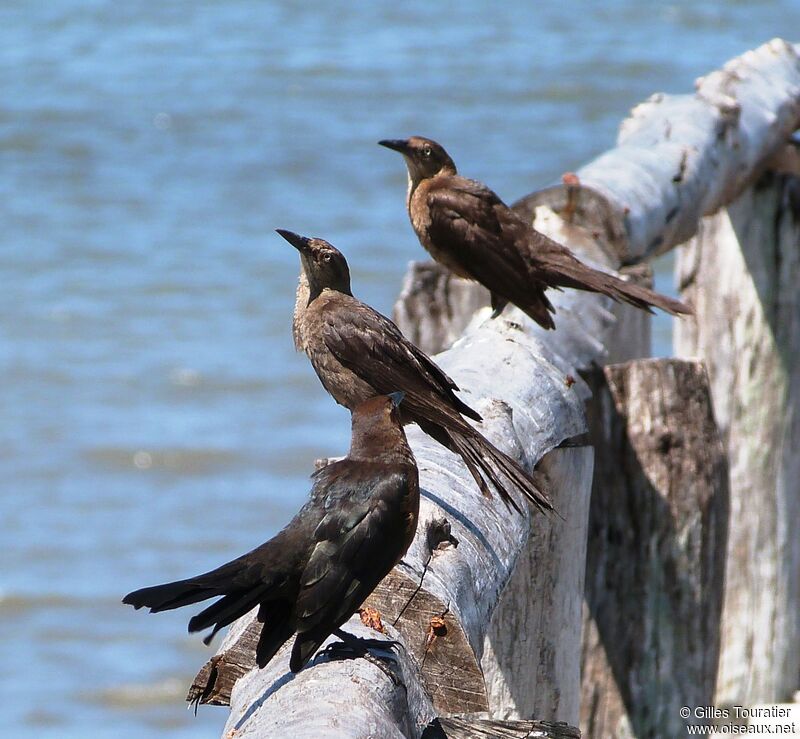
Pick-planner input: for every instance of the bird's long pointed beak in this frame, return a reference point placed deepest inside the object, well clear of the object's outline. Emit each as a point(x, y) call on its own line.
point(400, 145)
point(301, 243)
point(397, 398)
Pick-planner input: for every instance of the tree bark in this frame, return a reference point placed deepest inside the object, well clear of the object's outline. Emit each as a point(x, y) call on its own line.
point(655, 563)
point(742, 272)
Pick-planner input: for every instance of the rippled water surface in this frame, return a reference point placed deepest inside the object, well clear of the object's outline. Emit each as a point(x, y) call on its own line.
point(155, 418)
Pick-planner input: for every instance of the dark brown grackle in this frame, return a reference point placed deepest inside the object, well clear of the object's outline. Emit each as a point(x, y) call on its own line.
point(357, 352)
point(315, 573)
point(467, 228)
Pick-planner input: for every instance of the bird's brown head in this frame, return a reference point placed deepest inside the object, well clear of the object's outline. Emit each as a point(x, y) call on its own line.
point(378, 428)
point(323, 264)
point(424, 157)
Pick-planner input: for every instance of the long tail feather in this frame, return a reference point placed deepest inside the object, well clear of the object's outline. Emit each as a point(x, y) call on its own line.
point(226, 610)
point(473, 464)
point(184, 592)
point(277, 630)
point(478, 452)
point(577, 275)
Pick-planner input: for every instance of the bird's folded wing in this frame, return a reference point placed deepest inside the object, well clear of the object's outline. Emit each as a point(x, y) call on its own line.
point(468, 214)
point(373, 347)
point(356, 546)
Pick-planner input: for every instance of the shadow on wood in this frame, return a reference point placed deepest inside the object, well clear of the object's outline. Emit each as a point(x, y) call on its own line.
point(456, 727)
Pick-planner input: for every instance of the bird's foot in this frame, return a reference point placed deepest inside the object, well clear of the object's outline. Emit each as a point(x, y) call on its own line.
point(360, 643)
point(354, 646)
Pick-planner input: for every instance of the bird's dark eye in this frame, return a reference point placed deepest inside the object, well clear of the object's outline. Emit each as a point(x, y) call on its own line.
point(426, 151)
point(326, 258)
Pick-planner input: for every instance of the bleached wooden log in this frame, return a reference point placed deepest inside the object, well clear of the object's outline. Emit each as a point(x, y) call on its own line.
point(529, 408)
point(527, 630)
point(492, 655)
point(532, 399)
point(680, 157)
point(742, 272)
point(656, 551)
point(525, 382)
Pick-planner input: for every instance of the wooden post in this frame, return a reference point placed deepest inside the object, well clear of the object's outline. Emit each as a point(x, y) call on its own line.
point(742, 273)
point(655, 563)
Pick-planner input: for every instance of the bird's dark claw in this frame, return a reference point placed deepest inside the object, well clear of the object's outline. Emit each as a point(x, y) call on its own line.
point(351, 647)
point(358, 643)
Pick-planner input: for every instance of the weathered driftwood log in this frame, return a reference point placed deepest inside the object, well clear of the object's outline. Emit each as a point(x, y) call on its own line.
point(529, 407)
point(742, 272)
point(655, 558)
point(525, 383)
point(532, 399)
point(680, 157)
point(677, 160)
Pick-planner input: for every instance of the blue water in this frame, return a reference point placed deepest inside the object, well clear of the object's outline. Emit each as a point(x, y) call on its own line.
point(155, 418)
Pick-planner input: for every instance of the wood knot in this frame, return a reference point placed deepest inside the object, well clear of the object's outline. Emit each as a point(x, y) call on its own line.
point(667, 441)
point(437, 628)
point(438, 535)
